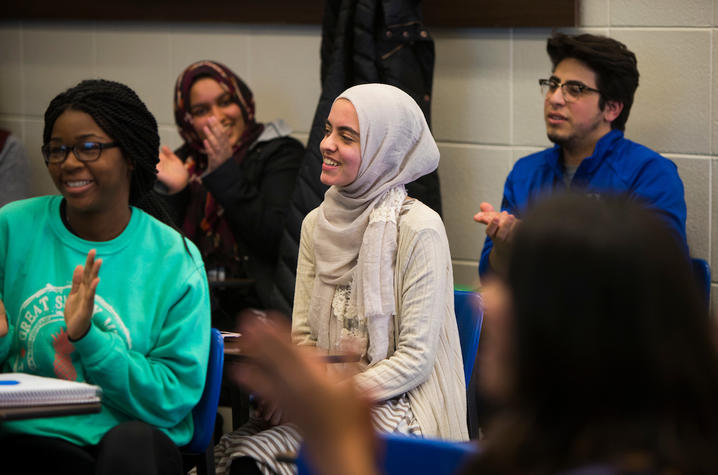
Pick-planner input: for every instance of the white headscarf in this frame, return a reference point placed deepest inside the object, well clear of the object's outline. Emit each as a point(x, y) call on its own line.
point(396, 148)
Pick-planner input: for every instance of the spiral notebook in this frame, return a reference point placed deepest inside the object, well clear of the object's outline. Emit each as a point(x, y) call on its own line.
point(29, 390)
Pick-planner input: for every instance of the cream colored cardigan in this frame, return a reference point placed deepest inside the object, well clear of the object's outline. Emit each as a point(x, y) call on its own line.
point(424, 357)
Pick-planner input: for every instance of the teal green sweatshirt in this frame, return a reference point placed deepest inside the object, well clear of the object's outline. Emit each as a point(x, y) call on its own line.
point(148, 344)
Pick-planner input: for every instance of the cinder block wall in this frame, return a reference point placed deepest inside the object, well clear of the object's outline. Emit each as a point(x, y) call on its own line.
point(487, 110)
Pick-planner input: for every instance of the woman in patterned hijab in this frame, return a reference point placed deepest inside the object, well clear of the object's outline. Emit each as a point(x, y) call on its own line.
point(229, 184)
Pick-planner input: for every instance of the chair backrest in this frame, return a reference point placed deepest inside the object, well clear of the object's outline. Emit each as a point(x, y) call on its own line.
point(401, 454)
point(418, 456)
point(205, 412)
point(469, 317)
point(702, 271)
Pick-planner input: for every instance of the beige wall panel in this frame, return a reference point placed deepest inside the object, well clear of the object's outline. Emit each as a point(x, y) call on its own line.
point(672, 104)
point(54, 59)
point(284, 74)
point(140, 58)
point(472, 87)
point(470, 175)
point(593, 12)
point(695, 173)
point(530, 63)
point(11, 84)
point(661, 12)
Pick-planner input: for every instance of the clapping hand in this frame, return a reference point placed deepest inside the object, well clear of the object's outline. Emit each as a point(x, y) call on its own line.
point(500, 227)
point(81, 301)
point(171, 171)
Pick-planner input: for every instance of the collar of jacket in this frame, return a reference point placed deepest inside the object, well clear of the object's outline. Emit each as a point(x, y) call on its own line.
point(589, 164)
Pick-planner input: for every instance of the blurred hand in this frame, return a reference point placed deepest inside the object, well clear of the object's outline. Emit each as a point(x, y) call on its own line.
point(501, 227)
point(3, 320)
point(496, 354)
point(171, 171)
point(269, 412)
point(216, 144)
point(333, 417)
point(81, 301)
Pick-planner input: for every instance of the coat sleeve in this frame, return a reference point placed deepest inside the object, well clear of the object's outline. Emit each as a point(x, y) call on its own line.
point(660, 186)
point(255, 208)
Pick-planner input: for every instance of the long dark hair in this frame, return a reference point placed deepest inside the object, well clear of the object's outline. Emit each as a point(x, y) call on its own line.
point(613, 350)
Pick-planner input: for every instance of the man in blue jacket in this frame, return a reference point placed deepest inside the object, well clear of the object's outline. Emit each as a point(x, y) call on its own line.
point(587, 101)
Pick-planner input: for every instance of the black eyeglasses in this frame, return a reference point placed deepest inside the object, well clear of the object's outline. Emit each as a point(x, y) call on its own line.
point(83, 151)
point(571, 90)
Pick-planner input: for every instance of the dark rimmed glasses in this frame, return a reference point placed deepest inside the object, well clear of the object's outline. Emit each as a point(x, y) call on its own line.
point(83, 151)
point(571, 90)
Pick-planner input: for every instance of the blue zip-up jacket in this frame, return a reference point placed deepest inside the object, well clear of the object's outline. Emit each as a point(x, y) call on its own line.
point(617, 165)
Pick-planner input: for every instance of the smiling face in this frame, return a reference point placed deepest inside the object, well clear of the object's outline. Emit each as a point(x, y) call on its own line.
point(340, 148)
point(208, 99)
point(580, 124)
point(100, 186)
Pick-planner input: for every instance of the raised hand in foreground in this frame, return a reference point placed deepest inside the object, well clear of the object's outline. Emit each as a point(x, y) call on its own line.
point(332, 415)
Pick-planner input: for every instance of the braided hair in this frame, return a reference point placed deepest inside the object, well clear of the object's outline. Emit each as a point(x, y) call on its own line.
point(124, 117)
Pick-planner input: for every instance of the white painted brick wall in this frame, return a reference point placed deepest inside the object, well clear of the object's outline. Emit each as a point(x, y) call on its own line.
point(486, 105)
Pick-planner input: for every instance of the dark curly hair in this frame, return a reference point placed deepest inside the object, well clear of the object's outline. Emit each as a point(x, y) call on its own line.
point(615, 66)
point(123, 116)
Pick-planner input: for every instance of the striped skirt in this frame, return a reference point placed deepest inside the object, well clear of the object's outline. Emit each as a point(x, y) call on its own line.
point(262, 443)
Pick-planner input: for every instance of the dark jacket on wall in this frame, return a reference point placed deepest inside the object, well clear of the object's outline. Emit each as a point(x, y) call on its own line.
point(363, 41)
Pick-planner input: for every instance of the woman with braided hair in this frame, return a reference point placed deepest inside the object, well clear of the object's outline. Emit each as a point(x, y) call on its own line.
point(138, 328)
point(228, 187)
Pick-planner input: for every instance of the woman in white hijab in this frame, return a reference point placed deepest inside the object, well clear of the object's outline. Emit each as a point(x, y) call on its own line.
point(374, 277)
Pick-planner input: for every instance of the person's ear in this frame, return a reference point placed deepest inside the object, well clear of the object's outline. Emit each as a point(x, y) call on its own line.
point(611, 110)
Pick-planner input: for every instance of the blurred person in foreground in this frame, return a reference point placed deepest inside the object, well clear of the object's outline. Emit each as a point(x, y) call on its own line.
point(600, 351)
point(600, 354)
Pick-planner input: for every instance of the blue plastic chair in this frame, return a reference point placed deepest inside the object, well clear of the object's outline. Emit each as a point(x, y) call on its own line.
point(702, 271)
point(403, 454)
point(469, 318)
point(200, 450)
point(418, 456)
